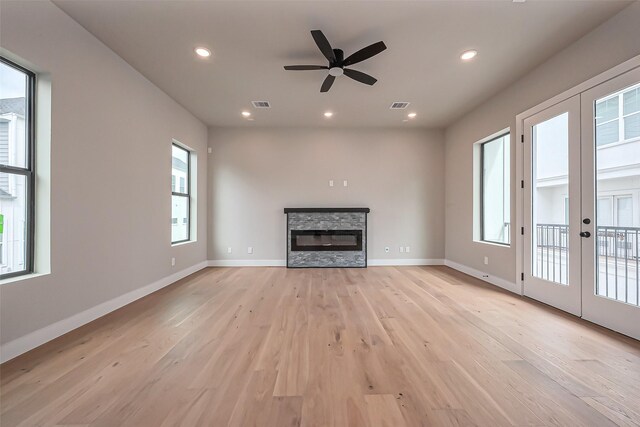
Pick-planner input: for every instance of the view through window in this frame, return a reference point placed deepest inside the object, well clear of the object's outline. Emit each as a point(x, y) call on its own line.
point(495, 190)
point(180, 194)
point(16, 169)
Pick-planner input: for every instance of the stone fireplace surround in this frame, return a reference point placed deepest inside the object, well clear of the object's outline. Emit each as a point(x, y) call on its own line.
point(328, 220)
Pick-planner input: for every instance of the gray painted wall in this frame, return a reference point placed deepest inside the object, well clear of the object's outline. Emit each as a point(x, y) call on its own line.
point(254, 174)
point(610, 44)
point(110, 173)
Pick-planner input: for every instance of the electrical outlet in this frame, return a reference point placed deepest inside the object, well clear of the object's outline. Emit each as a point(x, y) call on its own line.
point(408, 249)
point(209, 150)
point(330, 183)
point(486, 260)
point(401, 249)
point(229, 250)
point(173, 261)
point(250, 250)
point(386, 249)
point(345, 183)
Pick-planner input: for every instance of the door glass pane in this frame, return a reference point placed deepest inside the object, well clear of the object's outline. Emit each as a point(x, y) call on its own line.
point(550, 145)
point(13, 223)
point(617, 222)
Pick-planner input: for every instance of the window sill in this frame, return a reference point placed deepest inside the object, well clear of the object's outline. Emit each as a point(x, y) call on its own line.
point(183, 243)
point(500, 245)
point(23, 277)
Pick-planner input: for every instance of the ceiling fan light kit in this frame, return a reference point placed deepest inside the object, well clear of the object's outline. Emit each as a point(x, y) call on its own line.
point(337, 62)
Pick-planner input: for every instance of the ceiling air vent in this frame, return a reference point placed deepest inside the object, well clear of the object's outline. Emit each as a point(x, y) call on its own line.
point(261, 104)
point(399, 105)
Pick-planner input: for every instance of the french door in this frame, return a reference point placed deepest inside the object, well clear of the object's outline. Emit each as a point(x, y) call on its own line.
point(582, 204)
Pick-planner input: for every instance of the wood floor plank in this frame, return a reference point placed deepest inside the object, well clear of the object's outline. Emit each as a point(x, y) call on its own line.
point(382, 346)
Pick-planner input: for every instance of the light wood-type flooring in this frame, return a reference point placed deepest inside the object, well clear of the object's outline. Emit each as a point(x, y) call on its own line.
point(383, 346)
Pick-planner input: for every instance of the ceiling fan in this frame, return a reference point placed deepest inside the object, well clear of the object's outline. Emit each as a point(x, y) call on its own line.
point(337, 61)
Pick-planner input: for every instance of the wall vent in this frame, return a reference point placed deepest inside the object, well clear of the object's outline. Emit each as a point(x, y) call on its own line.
point(399, 105)
point(261, 104)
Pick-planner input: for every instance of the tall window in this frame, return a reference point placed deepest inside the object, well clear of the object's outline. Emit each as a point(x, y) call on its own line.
point(180, 196)
point(495, 221)
point(17, 93)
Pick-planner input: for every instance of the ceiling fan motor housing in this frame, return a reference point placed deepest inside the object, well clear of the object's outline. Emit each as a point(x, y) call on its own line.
point(335, 67)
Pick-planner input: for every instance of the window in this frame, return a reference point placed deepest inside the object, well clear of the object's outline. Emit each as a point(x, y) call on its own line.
point(615, 211)
point(495, 192)
point(618, 117)
point(17, 184)
point(180, 200)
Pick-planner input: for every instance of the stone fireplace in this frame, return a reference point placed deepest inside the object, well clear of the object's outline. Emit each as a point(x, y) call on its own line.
point(326, 237)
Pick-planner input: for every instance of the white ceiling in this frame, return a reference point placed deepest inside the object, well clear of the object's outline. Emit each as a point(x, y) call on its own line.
point(252, 40)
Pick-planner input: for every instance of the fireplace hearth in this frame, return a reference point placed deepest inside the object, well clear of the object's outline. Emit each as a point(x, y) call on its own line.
point(326, 237)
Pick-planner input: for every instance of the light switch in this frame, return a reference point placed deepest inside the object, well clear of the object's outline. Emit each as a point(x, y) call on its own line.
point(209, 150)
point(330, 183)
point(229, 250)
point(408, 249)
point(345, 183)
point(249, 250)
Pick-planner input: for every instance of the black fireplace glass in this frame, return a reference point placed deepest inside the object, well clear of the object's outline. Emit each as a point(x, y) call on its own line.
point(326, 240)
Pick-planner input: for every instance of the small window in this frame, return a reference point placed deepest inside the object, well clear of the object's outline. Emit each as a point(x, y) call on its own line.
point(495, 191)
point(181, 199)
point(17, 183)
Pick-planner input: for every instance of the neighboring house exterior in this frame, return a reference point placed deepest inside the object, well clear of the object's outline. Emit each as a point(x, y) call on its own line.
point(12, 187)
point(618, 164)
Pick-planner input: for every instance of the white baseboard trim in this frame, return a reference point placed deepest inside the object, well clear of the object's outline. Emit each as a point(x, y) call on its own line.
point(283, 263)
point(34, 339)
point(247, 263)
point(497, 281)
point(391, 262)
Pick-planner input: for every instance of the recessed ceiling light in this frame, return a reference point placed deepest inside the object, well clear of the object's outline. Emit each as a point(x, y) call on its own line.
point(246, 113)
point(469, 54)
point(202, 52)
point(411, 115)
point(328, 114)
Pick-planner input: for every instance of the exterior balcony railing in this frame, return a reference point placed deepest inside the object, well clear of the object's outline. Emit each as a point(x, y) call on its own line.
point(618, 266)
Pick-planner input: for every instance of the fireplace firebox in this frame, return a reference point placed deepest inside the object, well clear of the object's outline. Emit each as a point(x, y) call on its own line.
point(326, 240)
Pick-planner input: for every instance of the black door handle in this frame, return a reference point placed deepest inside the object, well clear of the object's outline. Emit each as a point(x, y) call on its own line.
point(585, 234)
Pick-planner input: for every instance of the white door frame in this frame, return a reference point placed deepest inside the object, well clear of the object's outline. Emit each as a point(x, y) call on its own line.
point(607, 312)
point(565, 297)
point(519, 137)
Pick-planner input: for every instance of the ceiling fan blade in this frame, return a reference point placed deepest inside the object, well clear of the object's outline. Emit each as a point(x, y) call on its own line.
point(360, 76)
point(305, 67)
point(364, 53)
point(323, 45)
point(326, 85)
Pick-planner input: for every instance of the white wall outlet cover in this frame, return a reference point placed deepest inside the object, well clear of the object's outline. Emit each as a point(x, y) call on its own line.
point(229, 250)
point(401, 249)
point(249, 250)
point(486, 260)
point(408, 249)
point(209, 150)
point(173, 261)
point(330, 183)
point(345, 183)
